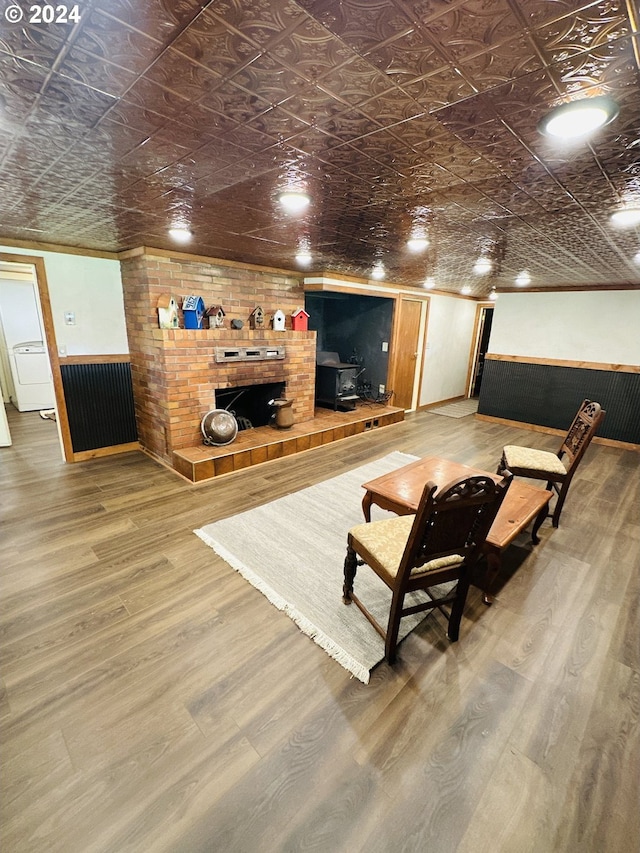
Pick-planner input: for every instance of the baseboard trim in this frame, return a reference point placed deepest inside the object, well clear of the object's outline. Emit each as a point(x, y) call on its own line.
point(97, 452)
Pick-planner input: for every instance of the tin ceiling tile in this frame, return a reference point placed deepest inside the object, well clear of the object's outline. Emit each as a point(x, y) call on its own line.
point(212, 44)
point(158, 19)
point(95, 73)
point(111, 40)
point(506, 61)
point(75, 104)
point(362, 23)
point(440, 88)
point(472, 28)
point(177, 73)
point(40, 46)
point(383, 110)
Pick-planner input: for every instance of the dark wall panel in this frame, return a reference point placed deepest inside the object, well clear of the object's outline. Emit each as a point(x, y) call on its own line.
point(355, 327)
point(549, 395)
point(99, 399)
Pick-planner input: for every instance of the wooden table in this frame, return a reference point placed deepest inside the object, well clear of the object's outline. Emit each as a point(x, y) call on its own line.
point(400, 492)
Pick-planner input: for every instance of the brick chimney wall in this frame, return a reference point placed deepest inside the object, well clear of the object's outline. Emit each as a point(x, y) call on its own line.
point(174, 371)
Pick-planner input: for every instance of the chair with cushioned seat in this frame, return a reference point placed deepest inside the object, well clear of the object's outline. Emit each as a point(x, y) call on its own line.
point(556, 468)
point(439, 544)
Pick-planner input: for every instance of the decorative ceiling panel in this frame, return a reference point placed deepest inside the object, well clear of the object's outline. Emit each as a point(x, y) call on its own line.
point(394, 115)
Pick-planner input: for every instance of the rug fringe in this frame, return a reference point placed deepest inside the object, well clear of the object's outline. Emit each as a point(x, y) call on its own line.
point(304, 624)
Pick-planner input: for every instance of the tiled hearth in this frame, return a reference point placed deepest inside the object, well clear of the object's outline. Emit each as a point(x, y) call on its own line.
point(262, 444)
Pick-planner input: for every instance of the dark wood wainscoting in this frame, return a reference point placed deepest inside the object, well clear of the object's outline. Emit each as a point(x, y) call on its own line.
point(549, 394)
point(99, 401)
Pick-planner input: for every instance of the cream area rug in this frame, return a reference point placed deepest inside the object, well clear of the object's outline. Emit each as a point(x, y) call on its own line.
point(293, 551)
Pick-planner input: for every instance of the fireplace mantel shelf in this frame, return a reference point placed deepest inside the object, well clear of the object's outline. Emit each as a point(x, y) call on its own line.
point(238, 335)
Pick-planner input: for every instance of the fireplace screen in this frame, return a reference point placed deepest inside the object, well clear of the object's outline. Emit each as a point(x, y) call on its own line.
point(249, 404)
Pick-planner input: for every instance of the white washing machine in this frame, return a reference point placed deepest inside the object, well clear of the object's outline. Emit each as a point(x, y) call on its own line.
point(31, 377)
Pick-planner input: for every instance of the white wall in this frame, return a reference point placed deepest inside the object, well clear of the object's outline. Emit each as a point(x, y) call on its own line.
point(598, 326)
point(448, 345)
point(91, 288)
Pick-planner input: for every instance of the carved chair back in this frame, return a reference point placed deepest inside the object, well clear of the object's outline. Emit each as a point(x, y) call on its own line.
point(581, 431)
point(455, 522)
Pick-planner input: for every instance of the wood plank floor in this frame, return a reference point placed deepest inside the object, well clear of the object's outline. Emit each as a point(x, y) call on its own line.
point(153, 701)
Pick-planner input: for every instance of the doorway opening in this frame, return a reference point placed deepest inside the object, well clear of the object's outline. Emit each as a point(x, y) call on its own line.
point(481, 347)
point(28, 371)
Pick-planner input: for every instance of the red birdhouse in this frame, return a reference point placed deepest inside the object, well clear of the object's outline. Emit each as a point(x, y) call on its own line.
point(299, 320)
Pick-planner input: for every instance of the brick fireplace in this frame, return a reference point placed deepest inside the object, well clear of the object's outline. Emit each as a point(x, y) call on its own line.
point(175, 372)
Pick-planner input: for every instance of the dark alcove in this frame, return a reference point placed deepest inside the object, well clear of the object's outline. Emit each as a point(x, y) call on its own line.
point(357, 327)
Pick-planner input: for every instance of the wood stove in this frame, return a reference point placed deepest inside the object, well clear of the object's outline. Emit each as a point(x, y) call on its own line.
point(336, 382)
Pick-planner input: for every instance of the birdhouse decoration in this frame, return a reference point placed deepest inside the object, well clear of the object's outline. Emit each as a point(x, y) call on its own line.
point(193, 310)
point(278, 321)
point(256, 318)
point(167, 311)
point(299, 320)
point(216, 317)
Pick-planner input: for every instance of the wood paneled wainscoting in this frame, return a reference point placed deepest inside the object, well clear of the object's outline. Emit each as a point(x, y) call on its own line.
point(99, 415)
point(547, 394)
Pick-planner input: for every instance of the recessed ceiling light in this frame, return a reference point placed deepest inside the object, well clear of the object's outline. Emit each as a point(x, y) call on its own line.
point(303, 257)
point(493, 295)
point(482, 266)
point(378, 271)
point(627, 217)
point(466, 290)
point(180, 234)
point(429, 282)
point(523, 278)
point(294, 202)
point(578, 118)
point(417, 244)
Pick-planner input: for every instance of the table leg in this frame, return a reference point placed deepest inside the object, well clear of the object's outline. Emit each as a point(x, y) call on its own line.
point(493, 567)
point(540, 517)
point(367, 500)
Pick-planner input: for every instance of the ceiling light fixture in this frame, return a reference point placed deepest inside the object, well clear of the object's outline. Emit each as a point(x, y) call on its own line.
point(483, 265)
point(577, 118)
point(627, 217)
point(180, 234)
point(303, 257)
point(466, 290)
point(429, 282)
point(493, 295)
point(636, 258)
point(417, 244)
point(294, 202)
point(378, 271)
point(523, 278)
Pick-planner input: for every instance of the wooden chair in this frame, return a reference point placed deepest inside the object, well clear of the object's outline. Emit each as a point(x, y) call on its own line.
point(440, 543)
point(556, 468)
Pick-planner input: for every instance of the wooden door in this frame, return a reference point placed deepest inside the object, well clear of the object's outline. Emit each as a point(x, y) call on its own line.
point(405, 355)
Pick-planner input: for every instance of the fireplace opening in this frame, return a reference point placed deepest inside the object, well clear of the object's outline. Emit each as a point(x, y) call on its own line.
point(250, 403)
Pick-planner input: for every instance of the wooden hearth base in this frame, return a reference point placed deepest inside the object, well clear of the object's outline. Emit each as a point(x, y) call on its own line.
point(253, 446)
